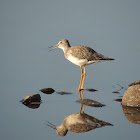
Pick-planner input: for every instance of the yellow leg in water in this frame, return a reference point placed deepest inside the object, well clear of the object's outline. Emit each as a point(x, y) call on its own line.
point(81, 81)
point(84, 74)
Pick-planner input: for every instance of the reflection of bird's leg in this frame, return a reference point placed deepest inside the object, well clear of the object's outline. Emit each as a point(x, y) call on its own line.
point(81, 79)
point(84, 74)
point(80, 94)
point(82, 108)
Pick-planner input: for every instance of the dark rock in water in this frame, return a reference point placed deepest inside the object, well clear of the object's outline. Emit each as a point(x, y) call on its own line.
point(90, 102)
point(132, 114)
point(62, 93)
point(135, 83)
point(92, 90)
point(118, 100)
point(31, 99)
point(132, 96)
point(47, 90)
point(116, 92)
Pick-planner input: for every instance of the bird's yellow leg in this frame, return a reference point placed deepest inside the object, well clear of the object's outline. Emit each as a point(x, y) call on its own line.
point(81, 79)
point(84, 74)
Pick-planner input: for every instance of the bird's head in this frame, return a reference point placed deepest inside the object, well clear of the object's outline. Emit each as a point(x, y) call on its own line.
point(62, 44)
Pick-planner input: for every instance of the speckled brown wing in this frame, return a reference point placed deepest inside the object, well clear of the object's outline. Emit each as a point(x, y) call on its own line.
point(95, 120)
point(80, 128)
point(82, 52)
point(98, 56)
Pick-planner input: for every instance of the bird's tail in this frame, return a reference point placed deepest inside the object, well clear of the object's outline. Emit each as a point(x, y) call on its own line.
point(98, 56)
point(108, 59)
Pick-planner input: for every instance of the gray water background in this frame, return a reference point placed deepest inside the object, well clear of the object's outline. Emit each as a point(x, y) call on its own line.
point(28, 28)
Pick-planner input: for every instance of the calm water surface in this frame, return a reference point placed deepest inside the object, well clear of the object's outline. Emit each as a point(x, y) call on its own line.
point(29, 28)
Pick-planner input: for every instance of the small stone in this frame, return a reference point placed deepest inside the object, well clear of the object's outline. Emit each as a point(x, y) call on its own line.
point(118, 100)
point(35, 98)
point(116, 92)
point(92, 90)
point(132, 96)
point(47, 90)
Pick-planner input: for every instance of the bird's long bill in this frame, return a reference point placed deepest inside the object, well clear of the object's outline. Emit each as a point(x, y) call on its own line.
point(51, 125)
point(53, 47)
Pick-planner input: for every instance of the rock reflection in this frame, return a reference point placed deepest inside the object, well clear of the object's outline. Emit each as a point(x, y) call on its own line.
point(118, 91)
point(78, 123)
point(33, 105)
point(132, 114)
point(88, 102)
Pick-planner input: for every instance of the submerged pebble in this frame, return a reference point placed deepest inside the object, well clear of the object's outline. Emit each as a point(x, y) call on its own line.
point(62, 93)
point(92, 90)
point(118, 100)
point(116, 92)
point(47, 90)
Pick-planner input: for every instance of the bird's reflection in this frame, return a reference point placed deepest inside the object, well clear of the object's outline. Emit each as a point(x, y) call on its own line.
point(78, 123)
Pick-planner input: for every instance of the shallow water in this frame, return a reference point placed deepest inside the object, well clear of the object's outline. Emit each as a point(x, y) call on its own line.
point(28, 29)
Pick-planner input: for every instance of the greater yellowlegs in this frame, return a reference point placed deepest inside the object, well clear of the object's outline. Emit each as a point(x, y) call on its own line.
point(81, 56)
point(78, 123)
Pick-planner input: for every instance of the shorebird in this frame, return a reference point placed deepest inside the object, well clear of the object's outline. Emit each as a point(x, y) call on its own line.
point(81, 56)
point(78, 123)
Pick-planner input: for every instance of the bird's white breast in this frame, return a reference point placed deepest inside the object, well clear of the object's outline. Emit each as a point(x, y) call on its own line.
point(76, 61)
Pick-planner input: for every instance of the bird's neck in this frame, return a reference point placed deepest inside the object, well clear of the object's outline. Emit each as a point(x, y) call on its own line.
point(65, 48)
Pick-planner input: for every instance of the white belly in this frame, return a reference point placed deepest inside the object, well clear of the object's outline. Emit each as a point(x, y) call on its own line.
point(79, 62)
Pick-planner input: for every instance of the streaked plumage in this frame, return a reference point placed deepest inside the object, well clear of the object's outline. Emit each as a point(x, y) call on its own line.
point(81, 56)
